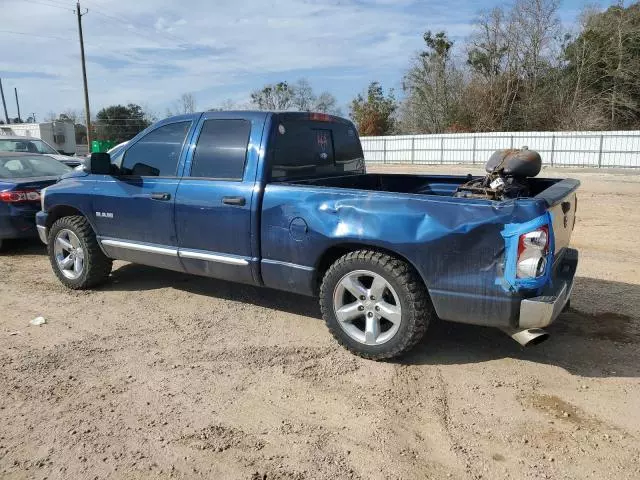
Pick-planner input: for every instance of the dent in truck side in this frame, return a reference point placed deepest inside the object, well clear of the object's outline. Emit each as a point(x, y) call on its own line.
point(457, 246)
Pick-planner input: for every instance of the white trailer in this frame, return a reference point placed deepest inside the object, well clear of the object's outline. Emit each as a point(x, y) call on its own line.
point(60, 135)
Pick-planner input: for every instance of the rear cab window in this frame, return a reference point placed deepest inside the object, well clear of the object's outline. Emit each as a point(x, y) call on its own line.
point(306, 145)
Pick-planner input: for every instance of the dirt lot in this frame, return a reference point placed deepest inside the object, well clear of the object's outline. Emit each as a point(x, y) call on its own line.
point(165, 375)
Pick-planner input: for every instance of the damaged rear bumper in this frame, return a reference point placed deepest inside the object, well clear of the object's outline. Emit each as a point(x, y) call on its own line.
point(541, 311)
point(517, 311)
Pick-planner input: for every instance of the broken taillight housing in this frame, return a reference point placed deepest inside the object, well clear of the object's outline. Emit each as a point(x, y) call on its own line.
point(533, 248)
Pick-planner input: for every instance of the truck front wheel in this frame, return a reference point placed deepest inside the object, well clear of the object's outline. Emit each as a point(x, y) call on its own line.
point(75, 255)
point(375, 305)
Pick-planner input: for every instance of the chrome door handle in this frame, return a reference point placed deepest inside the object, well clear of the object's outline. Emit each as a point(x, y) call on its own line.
point(161, 196)
point(237, 201)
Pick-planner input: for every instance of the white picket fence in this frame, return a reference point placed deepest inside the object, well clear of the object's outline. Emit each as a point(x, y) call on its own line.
point(619, 149)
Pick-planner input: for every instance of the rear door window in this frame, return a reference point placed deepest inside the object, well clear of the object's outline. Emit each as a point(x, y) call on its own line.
point(157, 154)
point(221, 150)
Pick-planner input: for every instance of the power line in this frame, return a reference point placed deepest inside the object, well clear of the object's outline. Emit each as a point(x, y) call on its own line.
point(54, 5)
point(148, 28)
point(157, 36)
point(33, 35)
point(121, 21)
point(61, 2)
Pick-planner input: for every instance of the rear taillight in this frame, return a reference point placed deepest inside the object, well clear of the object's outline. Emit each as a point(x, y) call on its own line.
point(18, 196)
point(533, 248)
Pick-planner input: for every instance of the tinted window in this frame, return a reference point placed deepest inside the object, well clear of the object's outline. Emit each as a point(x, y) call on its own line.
point(27, 166)
point(157, 153)
point(309, 148)
point(221, 149)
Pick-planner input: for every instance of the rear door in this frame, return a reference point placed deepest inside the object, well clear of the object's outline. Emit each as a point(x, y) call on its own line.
point(215, 198)
point(134, 211)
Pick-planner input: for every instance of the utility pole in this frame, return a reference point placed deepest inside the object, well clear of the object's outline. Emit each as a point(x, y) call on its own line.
point(17, 103)
point(4, 104)
point(87, 113)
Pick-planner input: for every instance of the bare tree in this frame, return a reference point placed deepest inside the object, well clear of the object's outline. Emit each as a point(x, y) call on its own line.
point(513, 56)
point(186, 104)
point(303, 97)
point(299, 96)
point(51, 117)
point(228, 104)
point(327, 103)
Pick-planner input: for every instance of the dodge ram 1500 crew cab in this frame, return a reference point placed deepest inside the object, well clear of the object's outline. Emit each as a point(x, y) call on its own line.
point(283, 200)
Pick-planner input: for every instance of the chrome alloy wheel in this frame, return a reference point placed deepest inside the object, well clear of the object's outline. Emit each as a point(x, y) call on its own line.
point(69, 254)
point(367, 307)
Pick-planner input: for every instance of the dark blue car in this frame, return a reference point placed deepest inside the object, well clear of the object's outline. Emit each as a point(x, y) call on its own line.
point(22, 177)
point(283, 200)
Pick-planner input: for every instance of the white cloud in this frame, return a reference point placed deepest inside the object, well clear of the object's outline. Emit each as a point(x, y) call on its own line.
point(151, 51)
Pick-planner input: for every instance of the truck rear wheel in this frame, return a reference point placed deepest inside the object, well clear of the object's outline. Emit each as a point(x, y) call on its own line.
point(75, 255)
point(375, 305)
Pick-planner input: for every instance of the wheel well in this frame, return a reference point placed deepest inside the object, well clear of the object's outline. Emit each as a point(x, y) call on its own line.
point(334, 253)
point(61, 211)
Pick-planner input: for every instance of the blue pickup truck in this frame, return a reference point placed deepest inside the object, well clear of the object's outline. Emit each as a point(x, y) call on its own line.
point(283, 200)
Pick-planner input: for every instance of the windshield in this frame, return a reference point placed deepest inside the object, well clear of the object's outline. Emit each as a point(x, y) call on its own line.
point(28, 145)
point(28, 166)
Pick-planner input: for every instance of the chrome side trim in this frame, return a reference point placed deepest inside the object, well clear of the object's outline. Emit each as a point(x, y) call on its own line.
point(140, 247)
point(287, 264)
point(42, 233)
point(176, 252)
point(212, 257)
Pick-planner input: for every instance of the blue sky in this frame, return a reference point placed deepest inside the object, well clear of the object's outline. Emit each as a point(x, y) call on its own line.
point(151, 51)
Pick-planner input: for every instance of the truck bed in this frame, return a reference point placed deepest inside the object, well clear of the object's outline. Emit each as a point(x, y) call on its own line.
point(443, 185)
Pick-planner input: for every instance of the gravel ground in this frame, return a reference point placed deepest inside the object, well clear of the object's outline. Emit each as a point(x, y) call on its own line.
point(164, 375)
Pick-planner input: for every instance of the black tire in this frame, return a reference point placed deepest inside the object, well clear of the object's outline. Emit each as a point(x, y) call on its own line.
point(97, 266)
point(417, 310)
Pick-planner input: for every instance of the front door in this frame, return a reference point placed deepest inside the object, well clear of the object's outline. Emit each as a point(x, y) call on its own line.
point(215, 198)
point(134, 211)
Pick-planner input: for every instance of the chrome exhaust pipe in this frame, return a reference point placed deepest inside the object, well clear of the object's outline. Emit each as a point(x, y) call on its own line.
point(529, 336)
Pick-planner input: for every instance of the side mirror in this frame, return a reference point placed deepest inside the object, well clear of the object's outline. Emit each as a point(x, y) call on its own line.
point(99, 163)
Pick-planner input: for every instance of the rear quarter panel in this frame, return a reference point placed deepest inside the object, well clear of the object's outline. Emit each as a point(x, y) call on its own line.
point(456, 245)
